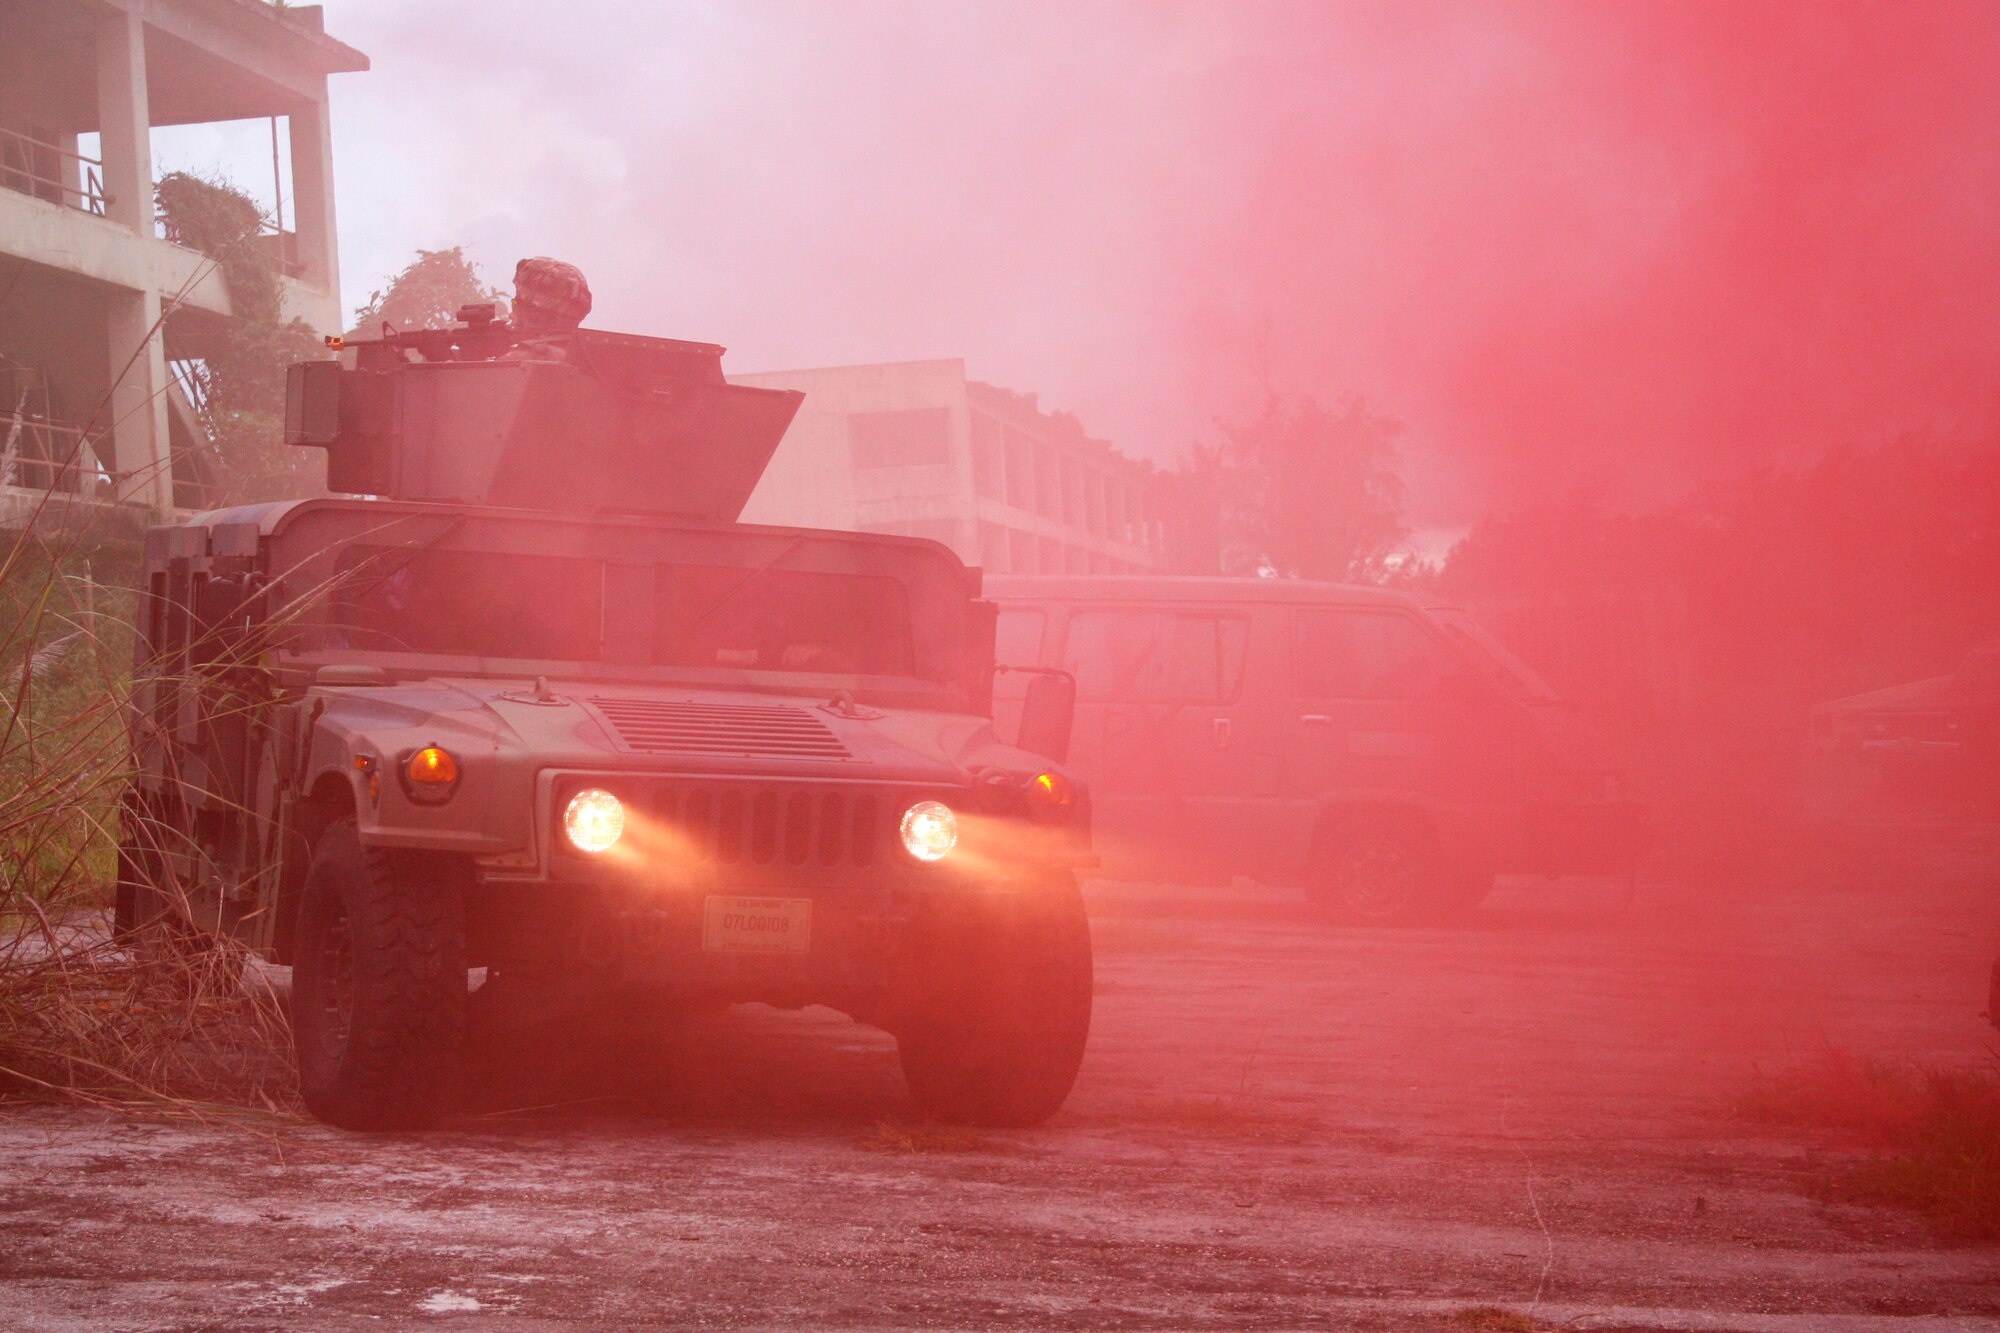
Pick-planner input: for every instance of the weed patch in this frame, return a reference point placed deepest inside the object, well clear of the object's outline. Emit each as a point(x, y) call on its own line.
point(1936, 1135)
point(1871, 1099)
point(84, 1017)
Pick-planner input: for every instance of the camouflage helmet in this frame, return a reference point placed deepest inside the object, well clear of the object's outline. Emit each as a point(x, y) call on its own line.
point(549, 295)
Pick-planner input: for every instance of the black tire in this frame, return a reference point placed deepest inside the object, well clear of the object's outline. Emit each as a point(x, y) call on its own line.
point(1386, 871)
point(1002, 1020)
point(378, 991)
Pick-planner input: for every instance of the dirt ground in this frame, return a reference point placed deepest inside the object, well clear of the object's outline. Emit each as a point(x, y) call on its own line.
point(1278, 1124)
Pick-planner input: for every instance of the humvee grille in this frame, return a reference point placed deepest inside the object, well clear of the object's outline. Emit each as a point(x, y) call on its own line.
point(732, 825)
point(761, 731)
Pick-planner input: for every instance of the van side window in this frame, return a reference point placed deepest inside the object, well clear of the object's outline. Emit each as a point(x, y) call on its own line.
point(1155, 656)
point(1363, 655)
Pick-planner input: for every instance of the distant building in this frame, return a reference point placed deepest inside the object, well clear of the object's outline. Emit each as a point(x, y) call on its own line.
point(97, 299)
point(916, 448)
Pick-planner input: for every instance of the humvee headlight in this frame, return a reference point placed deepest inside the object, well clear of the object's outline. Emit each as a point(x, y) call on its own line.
point(930, 830)
point(593, 820)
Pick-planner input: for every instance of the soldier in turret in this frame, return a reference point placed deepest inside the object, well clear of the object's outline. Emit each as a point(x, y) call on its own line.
point(550, 300)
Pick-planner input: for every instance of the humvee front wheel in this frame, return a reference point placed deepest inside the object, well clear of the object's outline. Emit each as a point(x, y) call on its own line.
point(1003, 1018)
point(379, 984)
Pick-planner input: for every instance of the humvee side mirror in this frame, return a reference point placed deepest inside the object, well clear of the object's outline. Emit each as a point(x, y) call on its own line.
point(1047, 712)
point(312, 403)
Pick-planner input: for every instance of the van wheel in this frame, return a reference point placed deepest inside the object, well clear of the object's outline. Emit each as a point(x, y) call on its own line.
point(1003, 1017)
point(1379, 874)
point(378, 991)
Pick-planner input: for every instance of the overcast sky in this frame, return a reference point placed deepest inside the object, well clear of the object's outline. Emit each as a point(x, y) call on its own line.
point(1622, 246)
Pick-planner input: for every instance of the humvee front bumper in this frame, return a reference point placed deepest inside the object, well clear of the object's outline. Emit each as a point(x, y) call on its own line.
point(791, 891)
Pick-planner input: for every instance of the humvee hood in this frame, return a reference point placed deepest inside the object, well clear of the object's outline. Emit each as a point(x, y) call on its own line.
point(660, 728)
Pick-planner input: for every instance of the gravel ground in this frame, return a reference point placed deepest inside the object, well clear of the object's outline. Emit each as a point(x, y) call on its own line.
point(1278, 1124)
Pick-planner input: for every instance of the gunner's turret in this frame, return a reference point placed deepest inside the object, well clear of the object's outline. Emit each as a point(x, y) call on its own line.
point(546, 417)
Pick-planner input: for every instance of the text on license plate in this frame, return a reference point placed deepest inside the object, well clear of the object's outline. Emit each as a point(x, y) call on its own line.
point(757, 925)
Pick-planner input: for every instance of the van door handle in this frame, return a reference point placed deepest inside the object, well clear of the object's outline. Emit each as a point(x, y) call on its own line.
point(1221, 732)
point(1320, 718)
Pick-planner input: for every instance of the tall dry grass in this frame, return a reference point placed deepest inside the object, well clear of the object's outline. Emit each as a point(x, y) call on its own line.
point(161, 1023)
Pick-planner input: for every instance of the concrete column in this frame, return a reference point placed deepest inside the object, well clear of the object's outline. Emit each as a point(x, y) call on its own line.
point(137, 411)
point(72, 170)
point(124, 120)
point(312, 198)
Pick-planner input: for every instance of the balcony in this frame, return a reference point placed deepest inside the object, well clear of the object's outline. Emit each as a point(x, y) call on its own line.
point(48, 171)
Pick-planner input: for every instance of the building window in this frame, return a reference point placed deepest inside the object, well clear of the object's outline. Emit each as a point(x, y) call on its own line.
point(1048, 483)
point(1020, 470)
point(1020, 553)
point(1072, 494)
point(912, 437)
point(989, 462)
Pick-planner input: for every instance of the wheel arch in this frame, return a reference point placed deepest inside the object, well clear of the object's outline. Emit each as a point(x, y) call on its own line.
point(330, 799)
point(1340, 815)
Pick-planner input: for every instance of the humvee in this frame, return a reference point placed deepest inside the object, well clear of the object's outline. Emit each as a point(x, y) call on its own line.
point(522, 696)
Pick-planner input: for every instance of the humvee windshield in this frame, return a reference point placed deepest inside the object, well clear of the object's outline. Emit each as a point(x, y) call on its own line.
point(496, 604)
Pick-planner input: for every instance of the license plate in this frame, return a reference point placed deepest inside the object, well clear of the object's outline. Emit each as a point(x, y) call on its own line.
point(757, 925)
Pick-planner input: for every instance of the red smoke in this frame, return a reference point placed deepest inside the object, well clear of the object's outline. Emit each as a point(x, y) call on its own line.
point(1566, 242)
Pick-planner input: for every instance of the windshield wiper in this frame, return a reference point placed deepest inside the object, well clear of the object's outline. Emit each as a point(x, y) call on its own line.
point(729, 594)
point(410, 555)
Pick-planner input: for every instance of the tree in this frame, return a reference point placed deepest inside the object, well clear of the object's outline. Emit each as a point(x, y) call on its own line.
point(427, 294)
point(239, 381)
point(1307, 491)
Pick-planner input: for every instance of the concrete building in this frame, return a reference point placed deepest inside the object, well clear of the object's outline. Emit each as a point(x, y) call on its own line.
point(94, 300)
point(916, 448)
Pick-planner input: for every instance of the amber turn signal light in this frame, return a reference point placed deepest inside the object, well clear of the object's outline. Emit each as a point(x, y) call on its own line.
point(429, 775)
point(432, 765)
point(1051, 790)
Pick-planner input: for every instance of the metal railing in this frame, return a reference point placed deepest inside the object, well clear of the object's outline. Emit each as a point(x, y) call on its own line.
point(43, 455)
point(283, 245)
point(48, 171)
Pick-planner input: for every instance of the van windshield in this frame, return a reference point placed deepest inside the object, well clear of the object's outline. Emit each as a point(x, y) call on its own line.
point(1483, 648)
